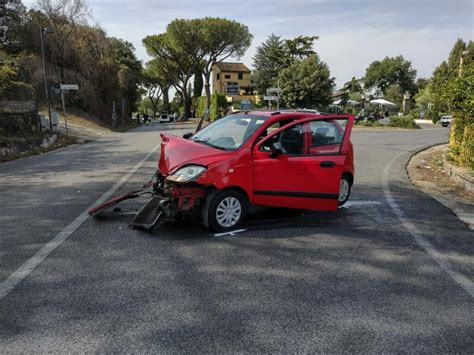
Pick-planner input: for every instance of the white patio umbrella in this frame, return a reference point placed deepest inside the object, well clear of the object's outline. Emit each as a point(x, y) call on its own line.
point(353, 102)
point(383, 102)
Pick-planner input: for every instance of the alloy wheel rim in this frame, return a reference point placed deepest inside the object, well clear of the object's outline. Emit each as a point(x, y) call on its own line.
point(343, 190)
point(228, 212)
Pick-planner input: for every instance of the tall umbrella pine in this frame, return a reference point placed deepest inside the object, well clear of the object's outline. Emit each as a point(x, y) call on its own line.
point(178, 52)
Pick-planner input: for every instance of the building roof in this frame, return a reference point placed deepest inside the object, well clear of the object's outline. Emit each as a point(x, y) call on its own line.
point(233, 67)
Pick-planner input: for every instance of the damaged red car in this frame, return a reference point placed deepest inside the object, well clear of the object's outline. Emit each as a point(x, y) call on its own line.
point(292, 159)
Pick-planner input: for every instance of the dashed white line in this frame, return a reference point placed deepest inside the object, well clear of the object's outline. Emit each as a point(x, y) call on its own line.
point(459, 278)
point(360, 203)
point(32, 263)
point(232, 233)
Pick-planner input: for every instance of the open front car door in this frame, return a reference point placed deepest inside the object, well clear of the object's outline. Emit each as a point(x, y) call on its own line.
point(301, 164)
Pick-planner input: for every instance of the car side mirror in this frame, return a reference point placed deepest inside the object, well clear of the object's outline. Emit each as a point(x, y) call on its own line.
point(188, 135)
point(277, 149)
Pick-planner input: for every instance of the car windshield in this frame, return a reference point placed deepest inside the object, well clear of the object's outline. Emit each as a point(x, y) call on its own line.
point(229, 133)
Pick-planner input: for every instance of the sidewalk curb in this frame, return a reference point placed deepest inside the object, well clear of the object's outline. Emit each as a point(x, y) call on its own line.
point(460, 176)
point(463, 213)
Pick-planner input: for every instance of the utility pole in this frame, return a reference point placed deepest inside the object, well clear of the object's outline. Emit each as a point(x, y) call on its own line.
point(123, 112)
point(278, 95)
point(114, 115)
point(42, 31)
point(461, 62)
point(64, 109)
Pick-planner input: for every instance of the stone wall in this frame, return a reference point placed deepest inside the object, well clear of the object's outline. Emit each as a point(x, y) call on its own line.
point(18, 117)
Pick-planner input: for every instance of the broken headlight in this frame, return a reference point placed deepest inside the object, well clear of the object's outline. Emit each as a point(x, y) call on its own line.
point(187, 174)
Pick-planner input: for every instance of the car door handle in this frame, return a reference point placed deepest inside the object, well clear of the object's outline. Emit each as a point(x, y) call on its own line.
point(327, 164)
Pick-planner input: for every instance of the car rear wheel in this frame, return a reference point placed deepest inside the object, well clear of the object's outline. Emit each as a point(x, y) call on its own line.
point(344, 190)
point(227, 211)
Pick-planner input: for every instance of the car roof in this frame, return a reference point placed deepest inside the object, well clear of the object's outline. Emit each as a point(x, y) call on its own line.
point(275, 116)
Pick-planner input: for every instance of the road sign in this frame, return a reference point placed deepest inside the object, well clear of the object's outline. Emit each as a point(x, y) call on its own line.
point(69, 87)
point(270, 98)
point(273, 90)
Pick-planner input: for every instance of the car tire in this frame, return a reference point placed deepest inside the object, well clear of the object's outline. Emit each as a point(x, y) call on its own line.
point(345, 187)
point(227, 211)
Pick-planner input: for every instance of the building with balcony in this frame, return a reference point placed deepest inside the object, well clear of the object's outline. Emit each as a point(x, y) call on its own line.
point(233, 80)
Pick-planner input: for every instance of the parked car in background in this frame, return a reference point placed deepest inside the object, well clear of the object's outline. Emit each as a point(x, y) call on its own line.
point(165, 117)
point(446, 120)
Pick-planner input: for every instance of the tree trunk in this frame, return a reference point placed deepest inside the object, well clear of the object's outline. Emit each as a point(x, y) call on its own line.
point(187, 104)
point(166, 99)
point(207, 87)
point(155, 107)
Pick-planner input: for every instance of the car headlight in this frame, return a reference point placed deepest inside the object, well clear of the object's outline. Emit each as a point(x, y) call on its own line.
point(187, 173)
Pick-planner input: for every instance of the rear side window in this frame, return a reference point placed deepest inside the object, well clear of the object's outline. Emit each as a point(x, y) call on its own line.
point(325, 137)
point(291, 139)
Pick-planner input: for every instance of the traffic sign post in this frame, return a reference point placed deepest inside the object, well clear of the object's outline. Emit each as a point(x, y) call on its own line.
point(271, 95)
point(65, 88)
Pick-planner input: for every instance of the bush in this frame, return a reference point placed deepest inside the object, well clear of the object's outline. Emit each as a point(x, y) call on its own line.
point(466, 151)
point(407, 121)
point(460, 95)
point(217, 109)
point(369, 124)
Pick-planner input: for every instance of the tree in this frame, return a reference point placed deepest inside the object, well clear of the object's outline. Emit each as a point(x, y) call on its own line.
point(13, 19)
point(63, 16)
point(155, 70)
point(178, 50)
point(381, 74)
point(300, 47)
point(153, 89)
point(306, 83)
point(220, 39)
point(198, 82)
point(394, 93)
point(267, 62)
point(129, 74)
point(275, 54)
point(354, 88)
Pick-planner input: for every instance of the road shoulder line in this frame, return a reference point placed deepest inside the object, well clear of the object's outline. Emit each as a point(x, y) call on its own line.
point(33, 262)
point(459, 278)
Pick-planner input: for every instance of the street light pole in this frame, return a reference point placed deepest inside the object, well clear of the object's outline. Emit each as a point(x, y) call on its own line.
point(461, 62)
point(46, 79)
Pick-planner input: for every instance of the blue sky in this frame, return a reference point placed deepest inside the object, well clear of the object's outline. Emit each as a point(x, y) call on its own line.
point(352, 32)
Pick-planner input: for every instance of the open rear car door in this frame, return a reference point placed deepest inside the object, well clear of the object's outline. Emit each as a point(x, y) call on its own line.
point(306, 172)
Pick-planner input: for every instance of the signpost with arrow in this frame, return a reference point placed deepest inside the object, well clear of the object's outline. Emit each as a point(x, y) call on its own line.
point(273, 94)
point(65, 88)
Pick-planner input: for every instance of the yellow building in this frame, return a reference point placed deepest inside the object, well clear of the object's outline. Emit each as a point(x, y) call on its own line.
point(233, 80)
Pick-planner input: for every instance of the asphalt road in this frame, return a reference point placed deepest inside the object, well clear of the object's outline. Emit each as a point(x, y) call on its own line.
point(392, 272)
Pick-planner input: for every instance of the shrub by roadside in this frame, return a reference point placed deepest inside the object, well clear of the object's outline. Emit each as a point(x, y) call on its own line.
point(369, 124)
point(403, 122)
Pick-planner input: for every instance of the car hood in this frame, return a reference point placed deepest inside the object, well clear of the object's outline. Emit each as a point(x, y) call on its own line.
point(177, 152)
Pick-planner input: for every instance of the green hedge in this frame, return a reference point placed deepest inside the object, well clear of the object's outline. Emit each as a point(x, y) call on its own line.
point(407, 121)
point(217, 109)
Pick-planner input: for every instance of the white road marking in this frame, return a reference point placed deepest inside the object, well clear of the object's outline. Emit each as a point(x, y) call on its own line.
point(360, 203)
point(32, 263)
point(232, 233)
point(459, 278)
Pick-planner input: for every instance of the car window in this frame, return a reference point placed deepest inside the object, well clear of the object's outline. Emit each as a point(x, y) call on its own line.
point(291, 139)
point(230, 132)
point(326, 136)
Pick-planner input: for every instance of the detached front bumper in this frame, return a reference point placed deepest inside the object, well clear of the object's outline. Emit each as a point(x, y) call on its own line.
point(168, 199)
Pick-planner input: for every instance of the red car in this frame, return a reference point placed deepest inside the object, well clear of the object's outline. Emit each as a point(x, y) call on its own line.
point(281, 159)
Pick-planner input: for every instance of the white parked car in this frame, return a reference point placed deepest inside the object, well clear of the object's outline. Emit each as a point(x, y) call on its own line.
point(446, 120)
point(164, 117)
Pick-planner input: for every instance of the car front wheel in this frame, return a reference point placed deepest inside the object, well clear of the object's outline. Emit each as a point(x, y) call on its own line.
point(344, 190)
point(227, 211)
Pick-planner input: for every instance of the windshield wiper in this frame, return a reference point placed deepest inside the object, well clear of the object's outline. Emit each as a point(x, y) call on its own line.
point(208, 144)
